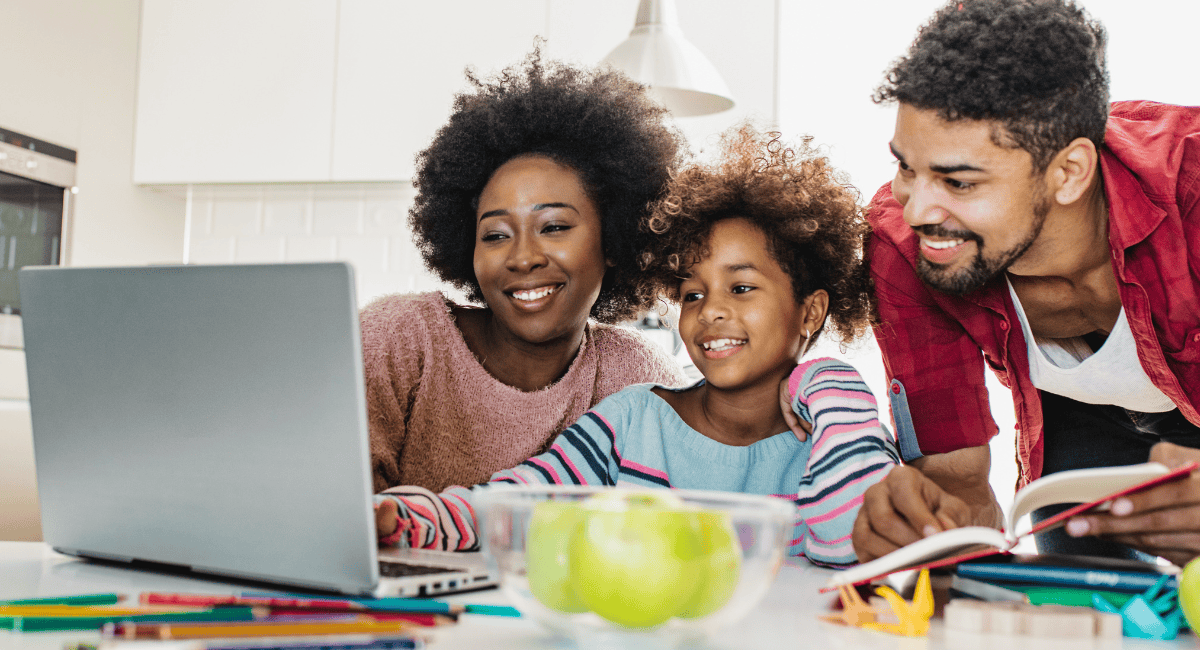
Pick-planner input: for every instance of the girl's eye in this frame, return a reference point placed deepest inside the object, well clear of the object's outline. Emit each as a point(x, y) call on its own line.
point(742, 288)
point(692, 296)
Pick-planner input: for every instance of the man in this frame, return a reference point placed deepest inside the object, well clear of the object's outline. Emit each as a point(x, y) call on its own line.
point(1034, 228)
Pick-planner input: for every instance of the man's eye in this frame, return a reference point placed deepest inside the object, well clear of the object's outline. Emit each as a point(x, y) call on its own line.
point(742, 288)
point(959, 185)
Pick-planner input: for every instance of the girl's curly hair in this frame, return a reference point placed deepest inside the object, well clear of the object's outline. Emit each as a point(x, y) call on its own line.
point(807, 210)
point(598, 122)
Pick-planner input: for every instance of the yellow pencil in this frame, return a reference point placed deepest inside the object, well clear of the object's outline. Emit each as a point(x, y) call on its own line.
point(165, 631)
point(93, 610)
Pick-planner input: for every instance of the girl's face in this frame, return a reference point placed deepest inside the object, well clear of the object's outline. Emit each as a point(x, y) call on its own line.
point(538, 253)
point(739, 319)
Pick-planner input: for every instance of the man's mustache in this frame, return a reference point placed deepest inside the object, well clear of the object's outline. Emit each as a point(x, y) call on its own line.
point(938, 230)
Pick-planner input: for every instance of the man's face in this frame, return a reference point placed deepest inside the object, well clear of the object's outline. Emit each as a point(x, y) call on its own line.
point(977, 207)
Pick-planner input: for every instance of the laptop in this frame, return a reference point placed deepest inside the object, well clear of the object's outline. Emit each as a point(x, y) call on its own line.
point(213, 418)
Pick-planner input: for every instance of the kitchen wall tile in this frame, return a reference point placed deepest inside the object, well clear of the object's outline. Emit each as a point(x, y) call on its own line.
point(201, 225)
point(285, 216)
point(262, 248)
point(337, 216)
point(403, 256)
point(236, 217)
point(386, 217)
point(310, 249)
point(217, 250)
point(362, 223)
point(367, 254)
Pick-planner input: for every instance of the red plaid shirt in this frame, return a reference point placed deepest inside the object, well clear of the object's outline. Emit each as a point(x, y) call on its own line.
point(932, 342)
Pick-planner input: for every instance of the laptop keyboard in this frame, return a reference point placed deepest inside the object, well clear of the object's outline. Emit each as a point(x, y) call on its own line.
point(390, 569)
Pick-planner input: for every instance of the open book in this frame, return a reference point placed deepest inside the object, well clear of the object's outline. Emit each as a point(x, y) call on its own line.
point(1092, 488)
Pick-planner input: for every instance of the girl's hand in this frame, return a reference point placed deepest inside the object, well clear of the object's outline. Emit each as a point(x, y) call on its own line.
point(798, 426)
point(386, 521)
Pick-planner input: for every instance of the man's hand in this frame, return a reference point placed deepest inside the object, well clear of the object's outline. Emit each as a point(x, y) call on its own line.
point(1163, 520)
point(935, 493)
point(902, 508)
point(799, 427)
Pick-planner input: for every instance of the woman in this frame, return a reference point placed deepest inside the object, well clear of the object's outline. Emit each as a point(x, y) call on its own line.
point(531, 200)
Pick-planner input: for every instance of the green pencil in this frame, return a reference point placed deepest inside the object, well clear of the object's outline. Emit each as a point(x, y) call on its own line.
point(87, 599)
point(63, 623)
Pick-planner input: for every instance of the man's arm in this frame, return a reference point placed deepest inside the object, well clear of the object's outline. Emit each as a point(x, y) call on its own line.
point(934, 493)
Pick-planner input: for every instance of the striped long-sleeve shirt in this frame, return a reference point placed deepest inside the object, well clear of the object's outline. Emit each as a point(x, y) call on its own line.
point(634, 438)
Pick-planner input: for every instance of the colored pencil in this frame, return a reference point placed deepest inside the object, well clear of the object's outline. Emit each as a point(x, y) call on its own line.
point(86, 599)
point(399, 605)
point(351, 642)
point(167, 631)
point(62, 623)
point(424, 620)
point(494, 610)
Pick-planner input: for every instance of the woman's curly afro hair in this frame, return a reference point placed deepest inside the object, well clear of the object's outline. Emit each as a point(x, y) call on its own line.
point(807, 210)
point(598, 122)
point(1034, 66)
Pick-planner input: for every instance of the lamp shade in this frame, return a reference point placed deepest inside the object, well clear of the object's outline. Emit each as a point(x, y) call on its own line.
point(679, 75)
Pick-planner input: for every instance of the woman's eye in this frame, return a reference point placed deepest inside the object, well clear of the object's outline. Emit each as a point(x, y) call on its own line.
point(742, 288)
point(555, 227)
point(492, 236)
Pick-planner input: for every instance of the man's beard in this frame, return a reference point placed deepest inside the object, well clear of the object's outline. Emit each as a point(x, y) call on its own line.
point(981, 269)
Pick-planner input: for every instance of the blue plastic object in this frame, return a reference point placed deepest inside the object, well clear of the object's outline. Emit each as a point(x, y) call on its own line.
point(1154, 614)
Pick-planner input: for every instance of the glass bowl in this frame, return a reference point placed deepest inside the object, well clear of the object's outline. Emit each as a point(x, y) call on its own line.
point(610, 566)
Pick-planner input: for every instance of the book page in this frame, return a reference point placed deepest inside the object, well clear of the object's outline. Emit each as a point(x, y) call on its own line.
point(1079, 486)
point(946, 544)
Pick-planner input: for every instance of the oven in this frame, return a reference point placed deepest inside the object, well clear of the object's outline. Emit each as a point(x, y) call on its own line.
point(37, 185)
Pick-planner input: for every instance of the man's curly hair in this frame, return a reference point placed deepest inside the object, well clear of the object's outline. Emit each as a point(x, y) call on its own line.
point(1036, 67)
point(598, 122)
point(808, 211)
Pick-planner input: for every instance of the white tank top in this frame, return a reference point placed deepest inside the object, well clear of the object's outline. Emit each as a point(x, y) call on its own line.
point(1110, 375)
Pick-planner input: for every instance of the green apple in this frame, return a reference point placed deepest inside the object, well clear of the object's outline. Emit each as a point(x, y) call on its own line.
point(546, 555)
point(1189, 593)
point(637, 560)
point(722, 564)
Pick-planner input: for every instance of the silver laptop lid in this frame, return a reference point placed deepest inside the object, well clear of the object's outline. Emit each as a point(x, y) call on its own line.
point(205, 416)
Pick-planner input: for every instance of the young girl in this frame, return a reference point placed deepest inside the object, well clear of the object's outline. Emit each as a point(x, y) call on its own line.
point(761, 251)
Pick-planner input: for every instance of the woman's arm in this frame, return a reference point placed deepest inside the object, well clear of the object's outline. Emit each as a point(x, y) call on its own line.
point(851, 451)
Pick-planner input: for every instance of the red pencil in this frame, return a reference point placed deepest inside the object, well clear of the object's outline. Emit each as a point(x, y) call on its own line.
point(212, 600)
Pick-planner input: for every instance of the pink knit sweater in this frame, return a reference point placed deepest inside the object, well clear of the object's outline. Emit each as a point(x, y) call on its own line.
point(437, 418)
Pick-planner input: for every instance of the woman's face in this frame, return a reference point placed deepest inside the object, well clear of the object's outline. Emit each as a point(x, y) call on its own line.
point(538, 254)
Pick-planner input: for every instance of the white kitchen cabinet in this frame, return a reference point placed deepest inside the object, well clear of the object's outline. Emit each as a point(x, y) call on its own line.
point(235, 90)
point(400, 62)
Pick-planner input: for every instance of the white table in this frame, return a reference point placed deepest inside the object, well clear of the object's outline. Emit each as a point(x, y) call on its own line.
point(787, 618)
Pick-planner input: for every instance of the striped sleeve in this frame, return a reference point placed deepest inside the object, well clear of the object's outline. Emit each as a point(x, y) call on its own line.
point(851, 451)
point(584, 454)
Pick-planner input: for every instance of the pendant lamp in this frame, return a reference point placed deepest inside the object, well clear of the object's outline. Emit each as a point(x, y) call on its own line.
point(679, 75)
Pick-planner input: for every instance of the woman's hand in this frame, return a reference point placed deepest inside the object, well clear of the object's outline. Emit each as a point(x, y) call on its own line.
point(797, 425)
point(386, 520)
